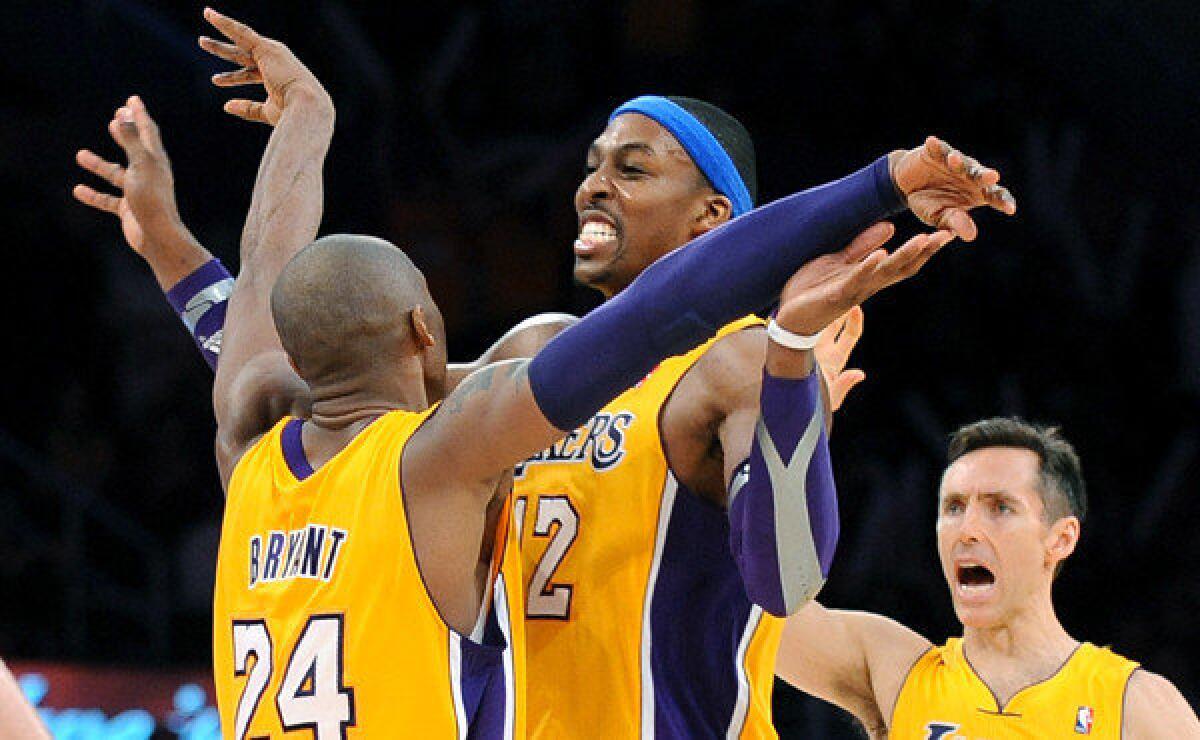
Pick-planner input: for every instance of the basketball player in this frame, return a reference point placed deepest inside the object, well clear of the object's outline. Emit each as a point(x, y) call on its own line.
point(662, 198)
point(17, 718)
point(1010, 508)
point(342, 294)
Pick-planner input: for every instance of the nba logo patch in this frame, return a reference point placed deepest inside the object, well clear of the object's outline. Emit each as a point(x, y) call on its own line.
point(1083, 721)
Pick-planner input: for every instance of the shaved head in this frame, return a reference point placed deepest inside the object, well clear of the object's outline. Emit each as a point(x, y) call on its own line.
point(344, 305)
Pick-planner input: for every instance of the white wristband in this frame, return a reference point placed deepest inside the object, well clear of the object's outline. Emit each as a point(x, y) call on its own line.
point(791, 340)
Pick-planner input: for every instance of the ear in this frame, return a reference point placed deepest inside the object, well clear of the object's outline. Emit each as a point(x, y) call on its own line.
point(1062, 539)
point(420, 329)
point(715, 210)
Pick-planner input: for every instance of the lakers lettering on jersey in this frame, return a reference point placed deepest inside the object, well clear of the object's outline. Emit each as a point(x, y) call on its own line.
point(321, 624)
point(636, 618)
point(943, 699)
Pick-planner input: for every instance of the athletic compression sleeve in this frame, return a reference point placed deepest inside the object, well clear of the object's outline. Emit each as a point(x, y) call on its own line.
point(200, 300)
point(683, 298)
point(783, 513)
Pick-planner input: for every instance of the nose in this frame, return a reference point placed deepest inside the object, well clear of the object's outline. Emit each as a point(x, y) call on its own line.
point(597, 185)
point(972, 524)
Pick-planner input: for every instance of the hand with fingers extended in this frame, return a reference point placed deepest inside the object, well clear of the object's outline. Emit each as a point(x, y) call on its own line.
point(941, 184)
point(263, 61)
point(146, 203)
point(829, 286)
point(832, 353)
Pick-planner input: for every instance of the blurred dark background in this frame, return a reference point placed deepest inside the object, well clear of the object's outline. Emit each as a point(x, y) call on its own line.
point(461, 136)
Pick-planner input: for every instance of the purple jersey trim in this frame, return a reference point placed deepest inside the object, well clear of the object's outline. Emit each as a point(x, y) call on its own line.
point(484, 691)
point(699, 614)
point(293, 449)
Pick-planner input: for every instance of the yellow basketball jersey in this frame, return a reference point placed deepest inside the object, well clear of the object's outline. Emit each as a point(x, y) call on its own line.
point(322, 627)
point(636, 618)
point(943, 699)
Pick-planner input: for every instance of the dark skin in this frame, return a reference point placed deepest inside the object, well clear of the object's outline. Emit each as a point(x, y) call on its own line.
point(644, 185)
point(642, 182)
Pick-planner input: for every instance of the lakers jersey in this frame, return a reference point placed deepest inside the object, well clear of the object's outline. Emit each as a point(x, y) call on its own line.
point(636, 618)
point(322, 626)
point(943, 699)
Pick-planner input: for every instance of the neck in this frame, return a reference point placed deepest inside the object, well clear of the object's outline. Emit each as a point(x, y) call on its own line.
point(346, 403)
point(1031, 635)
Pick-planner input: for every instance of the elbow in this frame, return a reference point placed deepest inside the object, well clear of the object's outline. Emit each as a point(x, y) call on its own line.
point(788, 598)
point(780, 588)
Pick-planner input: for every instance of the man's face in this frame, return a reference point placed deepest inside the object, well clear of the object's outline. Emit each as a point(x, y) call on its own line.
point(642, 197)
point(996, 547)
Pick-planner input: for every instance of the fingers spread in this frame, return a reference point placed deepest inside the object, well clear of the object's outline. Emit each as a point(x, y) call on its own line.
point(958, 221)
point(855, 321)
point(146, 127)
point(868, 240)
point(111, 172)
point(247, 109)
point(237, 32)
point(226, 51)
point(243, 76)
point(99, 201)
point(999, 198)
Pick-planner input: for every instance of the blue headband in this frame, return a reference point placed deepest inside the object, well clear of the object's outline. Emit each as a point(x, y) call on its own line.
point(705, 150)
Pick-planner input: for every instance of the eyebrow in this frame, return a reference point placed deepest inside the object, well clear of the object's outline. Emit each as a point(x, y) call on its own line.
point(633, 146)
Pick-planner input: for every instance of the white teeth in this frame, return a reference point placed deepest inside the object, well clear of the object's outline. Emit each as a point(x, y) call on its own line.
point(593, 231)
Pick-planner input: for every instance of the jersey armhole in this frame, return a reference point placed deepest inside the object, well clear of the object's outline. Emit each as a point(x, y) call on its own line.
point(1125, 701)
point(662, 408)
point(904, 684)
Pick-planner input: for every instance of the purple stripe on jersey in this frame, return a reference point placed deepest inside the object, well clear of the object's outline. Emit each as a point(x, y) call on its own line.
point(699, 614)
point(293, 449)
point(483, 686)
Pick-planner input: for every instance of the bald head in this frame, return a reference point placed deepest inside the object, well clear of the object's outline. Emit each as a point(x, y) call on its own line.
point(343, 307)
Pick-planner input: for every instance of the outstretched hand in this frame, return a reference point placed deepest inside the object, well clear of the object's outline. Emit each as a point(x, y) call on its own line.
point(829, 286)
point(941, 184)
point(832, 353)
point(262, 61)
point(145, 203)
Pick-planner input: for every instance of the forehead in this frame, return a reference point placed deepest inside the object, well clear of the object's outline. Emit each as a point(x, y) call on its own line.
point(636, 131)
point(1013, 470)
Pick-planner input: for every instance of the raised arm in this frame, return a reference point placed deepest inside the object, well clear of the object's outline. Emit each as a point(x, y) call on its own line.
point(255, 383)
point(196, 285)
point(674, 305)
point(854, 660)
point(522, 341)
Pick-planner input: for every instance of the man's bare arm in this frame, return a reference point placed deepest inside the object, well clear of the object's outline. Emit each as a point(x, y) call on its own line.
point(523, 341)
point(254, 380)
point(1154, 708)
point(854, 660)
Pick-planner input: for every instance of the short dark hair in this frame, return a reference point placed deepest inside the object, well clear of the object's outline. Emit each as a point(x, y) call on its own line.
point(1060, 473)
point(730, 134)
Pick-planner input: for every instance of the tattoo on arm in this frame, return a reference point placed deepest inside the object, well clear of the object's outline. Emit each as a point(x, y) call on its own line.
point(481, 382)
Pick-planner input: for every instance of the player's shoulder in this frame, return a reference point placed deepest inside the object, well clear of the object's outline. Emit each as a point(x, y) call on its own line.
point(1154, 707)
point(733, 358)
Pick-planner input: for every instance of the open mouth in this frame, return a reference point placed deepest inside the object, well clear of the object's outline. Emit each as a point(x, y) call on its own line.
point(974, 578)
point(597, 233)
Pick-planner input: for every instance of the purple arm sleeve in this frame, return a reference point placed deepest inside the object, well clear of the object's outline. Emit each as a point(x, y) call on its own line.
point(683, 298)
point(200, 300)
point(783, 517)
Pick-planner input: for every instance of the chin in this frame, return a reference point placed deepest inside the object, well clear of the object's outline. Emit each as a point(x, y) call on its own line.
point(979, 616)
